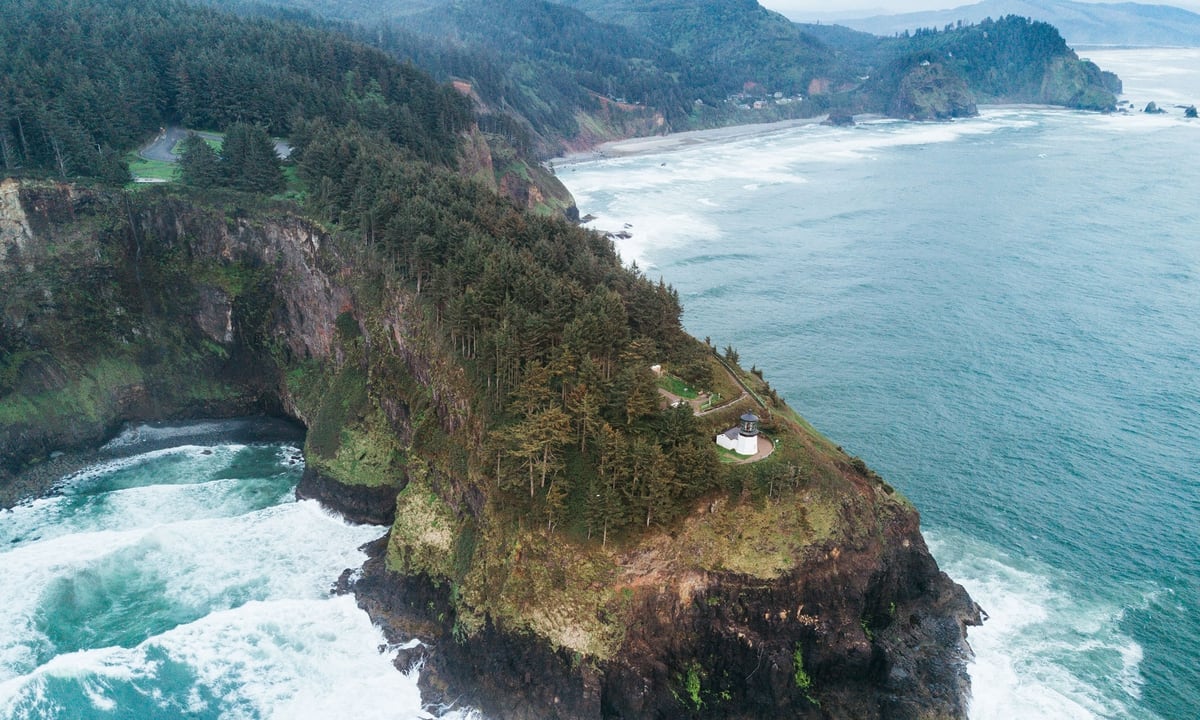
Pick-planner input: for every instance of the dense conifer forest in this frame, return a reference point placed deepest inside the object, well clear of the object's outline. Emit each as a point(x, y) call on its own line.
point(82, 82)
point(557, 336)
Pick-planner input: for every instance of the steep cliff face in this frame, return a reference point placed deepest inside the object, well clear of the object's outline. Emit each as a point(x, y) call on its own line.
point(83, 348)
point(716, 620)
point(1079, 84)
point(817, 601)
point(931, 92)
point(491, 161)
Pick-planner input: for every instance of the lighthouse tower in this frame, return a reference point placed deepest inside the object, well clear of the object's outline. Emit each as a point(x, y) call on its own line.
point(747, 441)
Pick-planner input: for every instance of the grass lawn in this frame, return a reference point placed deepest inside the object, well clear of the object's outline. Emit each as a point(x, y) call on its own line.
point(729, 456)
point(675, 386)
point(152, 169)
point(294, 189)
point(722, 383)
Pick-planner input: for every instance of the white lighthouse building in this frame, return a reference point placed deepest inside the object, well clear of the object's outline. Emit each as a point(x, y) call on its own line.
point(742, 439)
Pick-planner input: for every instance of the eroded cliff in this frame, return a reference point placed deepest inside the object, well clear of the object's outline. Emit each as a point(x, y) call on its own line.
point(799, 585)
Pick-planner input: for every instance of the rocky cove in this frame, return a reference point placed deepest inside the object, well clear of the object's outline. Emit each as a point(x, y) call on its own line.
point(817, 601)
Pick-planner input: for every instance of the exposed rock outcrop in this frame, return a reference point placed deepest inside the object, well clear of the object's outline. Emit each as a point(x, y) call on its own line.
point(931, 92)
point(356, 503)
point(819, 602)
point(866, 627)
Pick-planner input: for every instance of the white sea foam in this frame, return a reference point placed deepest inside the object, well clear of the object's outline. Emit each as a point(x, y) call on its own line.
point(144, 432)
point(245, 623)
point(138, 507)
point(296, 659)
point(291, 659)
point(1047, 650)
point(211, 458)
point(197, 565)
point(658, 195)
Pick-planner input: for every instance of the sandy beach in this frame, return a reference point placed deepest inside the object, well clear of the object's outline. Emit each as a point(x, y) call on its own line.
point(676, 141)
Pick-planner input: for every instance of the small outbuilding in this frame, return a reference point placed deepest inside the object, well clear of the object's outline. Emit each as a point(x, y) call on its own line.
point(742, 439)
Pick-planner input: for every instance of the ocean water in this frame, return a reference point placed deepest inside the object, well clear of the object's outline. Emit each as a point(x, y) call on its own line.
point(1002, 316)
point(188, 582)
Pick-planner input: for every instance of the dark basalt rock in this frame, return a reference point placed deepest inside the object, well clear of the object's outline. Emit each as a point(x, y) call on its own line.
point(880, 628)
point(356, 503)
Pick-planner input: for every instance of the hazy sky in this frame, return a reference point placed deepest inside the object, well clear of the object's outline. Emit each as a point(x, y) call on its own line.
point(813, 9)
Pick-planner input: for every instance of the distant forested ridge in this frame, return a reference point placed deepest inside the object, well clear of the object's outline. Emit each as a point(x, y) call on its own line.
point(548, 75)
point(734, 42)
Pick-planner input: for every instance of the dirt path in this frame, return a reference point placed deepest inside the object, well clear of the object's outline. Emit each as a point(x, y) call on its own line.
point(766, 446)
point(745, 390)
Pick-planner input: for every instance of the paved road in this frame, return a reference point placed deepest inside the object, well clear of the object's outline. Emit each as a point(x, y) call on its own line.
point(163, 145)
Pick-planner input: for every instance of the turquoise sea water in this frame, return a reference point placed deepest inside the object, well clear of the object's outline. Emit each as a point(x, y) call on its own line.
point(188, 582)
point(1002, 316)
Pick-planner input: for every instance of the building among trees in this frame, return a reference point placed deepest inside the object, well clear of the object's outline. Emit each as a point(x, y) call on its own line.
point(742, 438)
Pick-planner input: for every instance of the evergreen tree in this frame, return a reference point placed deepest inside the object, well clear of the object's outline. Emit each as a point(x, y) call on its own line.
point(605, 507)
point(199, 164)
point(249, 159)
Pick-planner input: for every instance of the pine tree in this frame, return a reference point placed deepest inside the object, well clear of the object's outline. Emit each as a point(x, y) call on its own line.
point(249, 158)
point(199, 164)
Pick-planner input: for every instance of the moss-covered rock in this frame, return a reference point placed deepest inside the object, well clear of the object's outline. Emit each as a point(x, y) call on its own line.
point(930, 91)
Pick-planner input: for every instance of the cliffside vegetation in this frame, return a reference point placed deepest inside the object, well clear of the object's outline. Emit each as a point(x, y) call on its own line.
point(479, 376)
point(546, 339)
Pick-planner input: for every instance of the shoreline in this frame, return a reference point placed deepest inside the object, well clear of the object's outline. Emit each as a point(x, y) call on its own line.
point(651, 144)
point(134, 438)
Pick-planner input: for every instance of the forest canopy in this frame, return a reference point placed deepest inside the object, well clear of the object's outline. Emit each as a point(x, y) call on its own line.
point(82, 82)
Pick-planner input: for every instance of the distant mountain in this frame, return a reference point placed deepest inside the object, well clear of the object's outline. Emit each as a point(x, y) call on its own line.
point(554, 76)
point(1080, 23)
point(734, 41)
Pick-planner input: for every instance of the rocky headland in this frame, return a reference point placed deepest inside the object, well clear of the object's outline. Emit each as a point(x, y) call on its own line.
point(800, 587)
